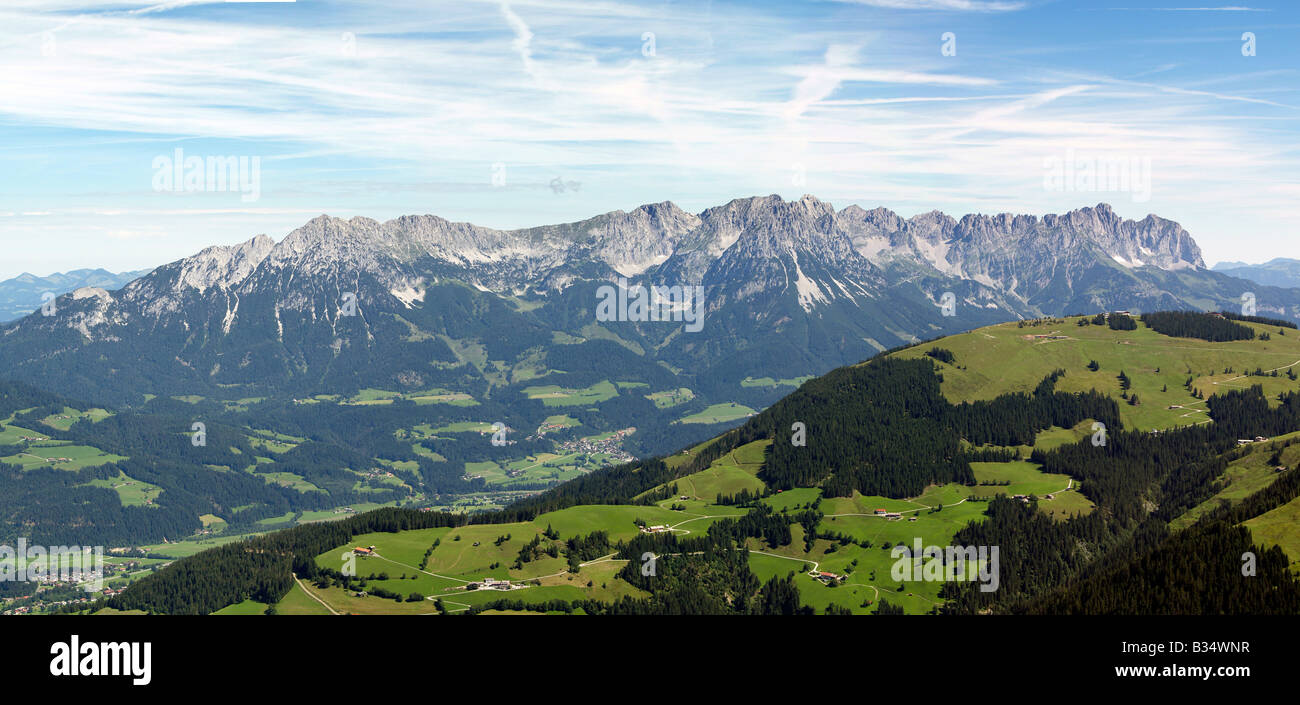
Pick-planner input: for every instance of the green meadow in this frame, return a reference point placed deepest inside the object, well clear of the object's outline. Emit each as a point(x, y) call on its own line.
point(1009, 358)
point(53, 454)
point(555, 395)
point(671, 397)
point(245, 607)
point(1278, 528)
point(132, 492)
point(69, 416)
point(1245, 476)
point(297, 601)
point(770, 382)
point(727, 475)
point(719, 413)
point(12, 435)
point(1024, 476)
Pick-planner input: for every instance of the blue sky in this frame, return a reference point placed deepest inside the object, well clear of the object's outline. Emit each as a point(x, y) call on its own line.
point(526, 113)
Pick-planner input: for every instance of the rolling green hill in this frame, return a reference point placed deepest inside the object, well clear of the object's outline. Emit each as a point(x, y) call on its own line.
point(1014, 357)
point(999, 447)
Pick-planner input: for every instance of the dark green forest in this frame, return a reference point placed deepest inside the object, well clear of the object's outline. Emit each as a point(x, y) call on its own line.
point(1215, 328)
point(881, 427)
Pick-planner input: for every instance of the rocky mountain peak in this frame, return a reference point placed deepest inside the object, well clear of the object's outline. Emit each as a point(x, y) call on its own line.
point(748, 245)
point(630, 243)
point(1152, 241)
point(223, 266)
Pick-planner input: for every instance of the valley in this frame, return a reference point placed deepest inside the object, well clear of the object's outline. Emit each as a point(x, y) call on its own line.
point(465, 368)
point(816, 532)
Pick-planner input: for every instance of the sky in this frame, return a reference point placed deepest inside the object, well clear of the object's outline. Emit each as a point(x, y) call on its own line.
point(117, 119)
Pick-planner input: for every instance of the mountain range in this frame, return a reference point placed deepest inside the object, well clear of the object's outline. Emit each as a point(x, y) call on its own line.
point(428, 364)
point(1275, 272)
point(23, 294)
point(791, 288)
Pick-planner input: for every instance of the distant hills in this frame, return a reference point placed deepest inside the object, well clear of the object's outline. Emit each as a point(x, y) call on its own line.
point(1099, 458)
point(1275, 272)
point(23, 294)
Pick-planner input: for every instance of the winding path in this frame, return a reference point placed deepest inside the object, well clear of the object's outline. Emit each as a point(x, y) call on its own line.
point(312, 595)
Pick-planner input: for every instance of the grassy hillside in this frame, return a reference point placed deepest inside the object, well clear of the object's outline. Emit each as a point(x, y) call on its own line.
point(850, 536)
point(1013, 357)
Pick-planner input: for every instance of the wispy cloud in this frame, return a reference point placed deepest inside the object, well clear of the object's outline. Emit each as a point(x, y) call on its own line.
point(963, 5)
point(399, 108)
point(1225, 8)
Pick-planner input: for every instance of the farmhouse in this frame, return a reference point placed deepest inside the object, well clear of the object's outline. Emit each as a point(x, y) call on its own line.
point(881, 512)
point(657, 528)
point(893, 516)
point(491, 584)
point(362, 551)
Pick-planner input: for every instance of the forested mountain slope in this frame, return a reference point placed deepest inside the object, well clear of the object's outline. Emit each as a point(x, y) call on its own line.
point(1072, 463)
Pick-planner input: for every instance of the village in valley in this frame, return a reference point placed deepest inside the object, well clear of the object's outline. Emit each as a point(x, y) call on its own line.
point(610, 444)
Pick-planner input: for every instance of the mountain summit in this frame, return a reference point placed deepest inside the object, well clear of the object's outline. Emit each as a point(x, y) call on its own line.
point(790, 288)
